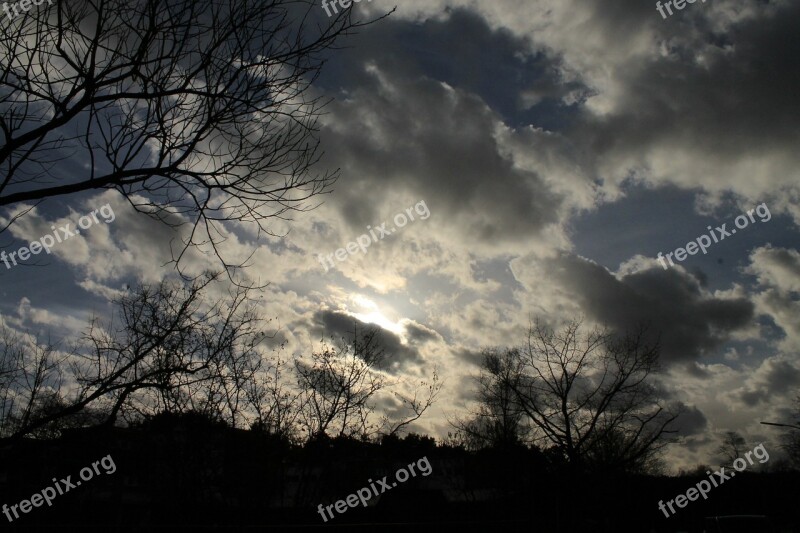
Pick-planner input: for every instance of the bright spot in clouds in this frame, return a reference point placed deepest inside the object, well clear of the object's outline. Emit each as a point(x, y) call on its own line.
point(371, 314)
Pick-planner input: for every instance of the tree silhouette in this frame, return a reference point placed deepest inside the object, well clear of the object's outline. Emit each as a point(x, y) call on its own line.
point(340, 384)
point(172, 348)
point(30, 374)
point(166, 349)
point(193, 110)
point(275, 402)
point(732, 447)
point(498, 421)
point(586, 395)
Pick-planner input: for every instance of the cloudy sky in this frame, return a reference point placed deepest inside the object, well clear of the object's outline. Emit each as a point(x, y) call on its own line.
point(557, 147)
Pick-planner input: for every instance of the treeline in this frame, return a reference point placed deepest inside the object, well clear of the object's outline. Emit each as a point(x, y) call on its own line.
point(179, 348)
point(585, 398)
point(190, 471)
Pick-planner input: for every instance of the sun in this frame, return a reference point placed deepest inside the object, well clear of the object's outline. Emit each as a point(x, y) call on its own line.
point(370, 313)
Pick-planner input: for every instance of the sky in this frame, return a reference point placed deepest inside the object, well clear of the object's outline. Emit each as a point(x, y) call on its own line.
point(549, 151)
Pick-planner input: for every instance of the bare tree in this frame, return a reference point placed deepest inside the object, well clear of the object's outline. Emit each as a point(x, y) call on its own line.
point(194, 110)
point(415, 405)
point(30, 370)
point(276, 403)
point(32, 373)
point(341, 383)
point(498, 420)
point(12, 363)
point(732, 447)
point(338, 386)
point(171, 350)
point(587, 395)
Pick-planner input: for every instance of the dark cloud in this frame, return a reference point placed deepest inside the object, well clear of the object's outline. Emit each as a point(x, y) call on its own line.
point(707, 91)
point(691, 421)
point(695, 370)
point(691, 321)
point(400, 134)
point(780, 378)
point(788, 259)
point(418, 333)
point(783, 377)
point(697, 444)
point(465, 390)
point(776, 267)
point(752, 397)
point(403, 127)
point(340, 325)
point(471, 357)
point(492, 63)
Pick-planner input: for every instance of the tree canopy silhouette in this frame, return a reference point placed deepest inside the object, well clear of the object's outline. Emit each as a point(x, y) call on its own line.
point(166, 348)
point(586, 396)
point(174, 348)
point(197, 111)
